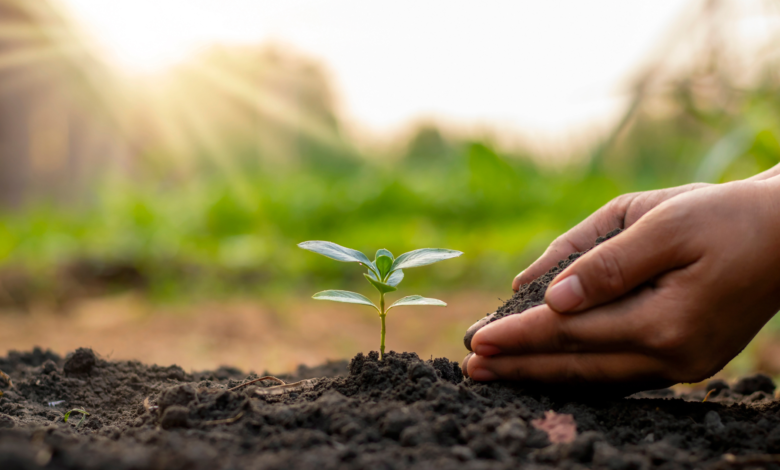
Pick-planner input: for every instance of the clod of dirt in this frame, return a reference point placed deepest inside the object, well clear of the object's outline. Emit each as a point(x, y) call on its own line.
point(421, 370)
point(717, 385)
point(398, 413)
point(49, 367)
point(80, 362)
point(755, 383)
point(175, 416)
point(181, 395)
point(530, 295)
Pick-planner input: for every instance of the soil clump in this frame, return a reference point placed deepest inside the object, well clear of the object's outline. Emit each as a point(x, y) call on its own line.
point(399, 413)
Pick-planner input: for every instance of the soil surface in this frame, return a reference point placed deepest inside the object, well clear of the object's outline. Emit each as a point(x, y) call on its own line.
point(399, 413)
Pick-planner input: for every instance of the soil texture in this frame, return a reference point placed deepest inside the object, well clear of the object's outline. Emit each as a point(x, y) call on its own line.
point(399, 413)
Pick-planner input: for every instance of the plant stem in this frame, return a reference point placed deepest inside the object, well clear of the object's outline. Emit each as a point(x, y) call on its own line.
point(382, 316)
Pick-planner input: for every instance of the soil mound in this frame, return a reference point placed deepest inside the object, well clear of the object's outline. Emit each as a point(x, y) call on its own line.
point(400, 413)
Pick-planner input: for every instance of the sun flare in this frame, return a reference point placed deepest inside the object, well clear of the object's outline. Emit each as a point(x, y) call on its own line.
point(144, 36)
point(553, 74)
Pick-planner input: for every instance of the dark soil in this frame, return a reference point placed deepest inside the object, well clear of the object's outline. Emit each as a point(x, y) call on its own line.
point(399, 413)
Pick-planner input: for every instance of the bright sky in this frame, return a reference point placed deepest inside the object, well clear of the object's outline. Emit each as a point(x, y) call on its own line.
point(549, 70)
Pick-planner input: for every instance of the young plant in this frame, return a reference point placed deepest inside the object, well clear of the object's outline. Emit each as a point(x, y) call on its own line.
point(384, 273)
point(84, 415)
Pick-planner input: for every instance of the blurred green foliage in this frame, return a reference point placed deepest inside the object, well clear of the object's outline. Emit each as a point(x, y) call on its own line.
point(204, 236)
point(208, 231)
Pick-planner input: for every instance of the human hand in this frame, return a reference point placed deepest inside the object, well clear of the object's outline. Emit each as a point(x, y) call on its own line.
point(671, 299)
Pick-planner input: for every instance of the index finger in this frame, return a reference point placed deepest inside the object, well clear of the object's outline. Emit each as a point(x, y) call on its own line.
point(621, 212)
point(579, 238)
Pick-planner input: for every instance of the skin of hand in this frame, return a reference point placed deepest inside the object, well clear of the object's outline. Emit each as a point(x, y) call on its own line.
point(690, 281)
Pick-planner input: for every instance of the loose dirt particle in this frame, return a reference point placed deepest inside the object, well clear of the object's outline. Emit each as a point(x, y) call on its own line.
point(80, 362)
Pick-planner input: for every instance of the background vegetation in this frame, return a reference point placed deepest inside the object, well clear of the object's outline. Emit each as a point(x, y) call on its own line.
point(212, 176)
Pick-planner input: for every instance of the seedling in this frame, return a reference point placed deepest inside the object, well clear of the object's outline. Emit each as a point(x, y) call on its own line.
point(84, 415)
point(384, 273)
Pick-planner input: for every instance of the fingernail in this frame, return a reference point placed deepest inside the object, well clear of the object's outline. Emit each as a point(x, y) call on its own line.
point(465, 365)
point(483, 375)
point(486, 350)
point(515, 280)
point(565, 295)
point(474, 328)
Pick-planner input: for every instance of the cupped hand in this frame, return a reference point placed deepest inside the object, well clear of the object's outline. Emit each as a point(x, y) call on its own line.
point(686, 286)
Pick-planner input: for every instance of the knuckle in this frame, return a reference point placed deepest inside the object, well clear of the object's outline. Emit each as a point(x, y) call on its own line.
point(518, 372)
point(576, 371)
point(674, 212)
point(556, 245)
point(566, 339)
point(695, 186)
point(608, 272)
point(668, 341)
point(620, 203)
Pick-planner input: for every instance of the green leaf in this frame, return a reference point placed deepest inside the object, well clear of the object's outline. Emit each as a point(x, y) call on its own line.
point(417, 300)
point(395, 278)
point(384, 252)
point(381, 286)
point(334, 251)
point(373, 271)
point(383, 263)
point(344, 296)
point(422, 257)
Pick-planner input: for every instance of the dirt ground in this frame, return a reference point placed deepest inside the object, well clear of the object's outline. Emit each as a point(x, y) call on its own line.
point(398, 413)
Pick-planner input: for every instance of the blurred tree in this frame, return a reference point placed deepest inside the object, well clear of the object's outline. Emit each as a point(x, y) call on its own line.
point(55, 124)
point(428, 147)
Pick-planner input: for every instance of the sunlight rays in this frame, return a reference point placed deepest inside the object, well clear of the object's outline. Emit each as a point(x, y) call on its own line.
point(192, 110)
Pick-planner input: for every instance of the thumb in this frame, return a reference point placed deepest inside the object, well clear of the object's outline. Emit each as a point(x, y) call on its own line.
point(616, 267)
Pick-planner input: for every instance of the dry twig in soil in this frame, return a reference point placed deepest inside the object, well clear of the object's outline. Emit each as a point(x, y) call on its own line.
point(267, 377)
point(225, 421)
point(288, 388)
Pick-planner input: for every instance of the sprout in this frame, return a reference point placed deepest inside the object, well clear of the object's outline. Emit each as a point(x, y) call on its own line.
point(384, 273)
point(84, 415)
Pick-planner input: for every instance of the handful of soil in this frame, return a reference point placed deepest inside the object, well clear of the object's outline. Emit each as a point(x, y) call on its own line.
point(532, 294)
